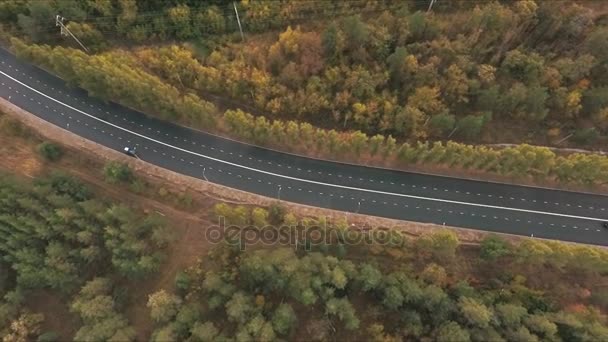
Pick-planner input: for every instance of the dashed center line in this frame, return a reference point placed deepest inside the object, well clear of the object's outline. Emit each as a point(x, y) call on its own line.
point(310, 181)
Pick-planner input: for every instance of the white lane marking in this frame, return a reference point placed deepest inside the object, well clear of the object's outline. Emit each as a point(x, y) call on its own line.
point(300, 179)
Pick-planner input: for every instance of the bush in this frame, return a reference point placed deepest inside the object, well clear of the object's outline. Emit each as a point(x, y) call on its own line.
point(65, 184)
point(50, 151)
point(470, 126)
point(183, 281)
point(276, 212)
point(494, 247)
point(442, 124)
point(13, 127)
point(585, 135)
point(185, 200)
point(116, 172)
point(139, 186)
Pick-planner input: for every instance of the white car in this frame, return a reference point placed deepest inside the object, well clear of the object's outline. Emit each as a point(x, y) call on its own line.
point(130, 151)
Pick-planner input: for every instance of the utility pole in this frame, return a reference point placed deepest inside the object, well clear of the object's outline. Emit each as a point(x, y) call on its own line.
point(66, 32)
point(431, 5)
point(238, 20)
point(279, 193)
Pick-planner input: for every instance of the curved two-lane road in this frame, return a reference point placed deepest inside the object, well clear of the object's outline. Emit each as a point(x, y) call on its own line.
point(552, 214)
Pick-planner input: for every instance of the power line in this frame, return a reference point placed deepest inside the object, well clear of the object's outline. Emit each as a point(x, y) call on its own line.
point(318, 5)
point(228, 19)
point(228, 24)
point(238, 20)
point(65, 31)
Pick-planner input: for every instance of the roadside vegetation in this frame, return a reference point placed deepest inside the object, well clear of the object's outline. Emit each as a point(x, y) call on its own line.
point(386, 84)
point(122, 80)
point(388, 87)
point(431, 287)
point(407, 288)
point(469, 70)
point(105, 273)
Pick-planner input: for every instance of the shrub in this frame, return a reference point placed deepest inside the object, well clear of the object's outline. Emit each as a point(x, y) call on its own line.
point(585, 135)
point(116, 172)
point(65, 184)
point(139, 186)
point(50, 151)
point(470, 126)
point(442, 124)
point(183, 281)
point(276, 212)
point(13, 127)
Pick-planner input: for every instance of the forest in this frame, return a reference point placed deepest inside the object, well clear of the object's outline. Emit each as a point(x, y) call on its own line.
point(388, 83)
point(393, 288)
point(56, 234)
point(467, 71)
point(429, 288)
point(119, 78)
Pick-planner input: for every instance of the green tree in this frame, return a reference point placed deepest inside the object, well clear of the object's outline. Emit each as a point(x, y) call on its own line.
point(494, 247)
point(456, 85)
point(134, 242)
point(259, 217)
point(440, 245)
point(358, 142)
point(39, 21)
point(409, 122)
point(180, 18)
point(434, 274)
point(333, 42)
point(596, 44)
point(205, 332)
point(97, 310)
point(239, 307)
point(585, 135)
point(370, 277)
point(421, 28)
point(442, 124)
point(88, 35)
point(511, 315)
point(397, 66)
point(452, 332)
point(210, 20)
point(428, 100)
point(356, 32)
point(523, 67)
point(344, 310)
point(276, 213)
point(470, 126)
point(283, 318)
point(163, 306)
point(541, 325)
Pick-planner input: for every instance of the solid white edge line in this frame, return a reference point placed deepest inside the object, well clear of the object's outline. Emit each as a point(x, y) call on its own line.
point(300, 179)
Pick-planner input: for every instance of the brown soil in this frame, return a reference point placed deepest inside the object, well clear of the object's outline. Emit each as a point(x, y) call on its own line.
point(57, 315)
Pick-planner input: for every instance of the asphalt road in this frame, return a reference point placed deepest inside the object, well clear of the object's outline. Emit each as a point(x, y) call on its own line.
point(545, 213)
